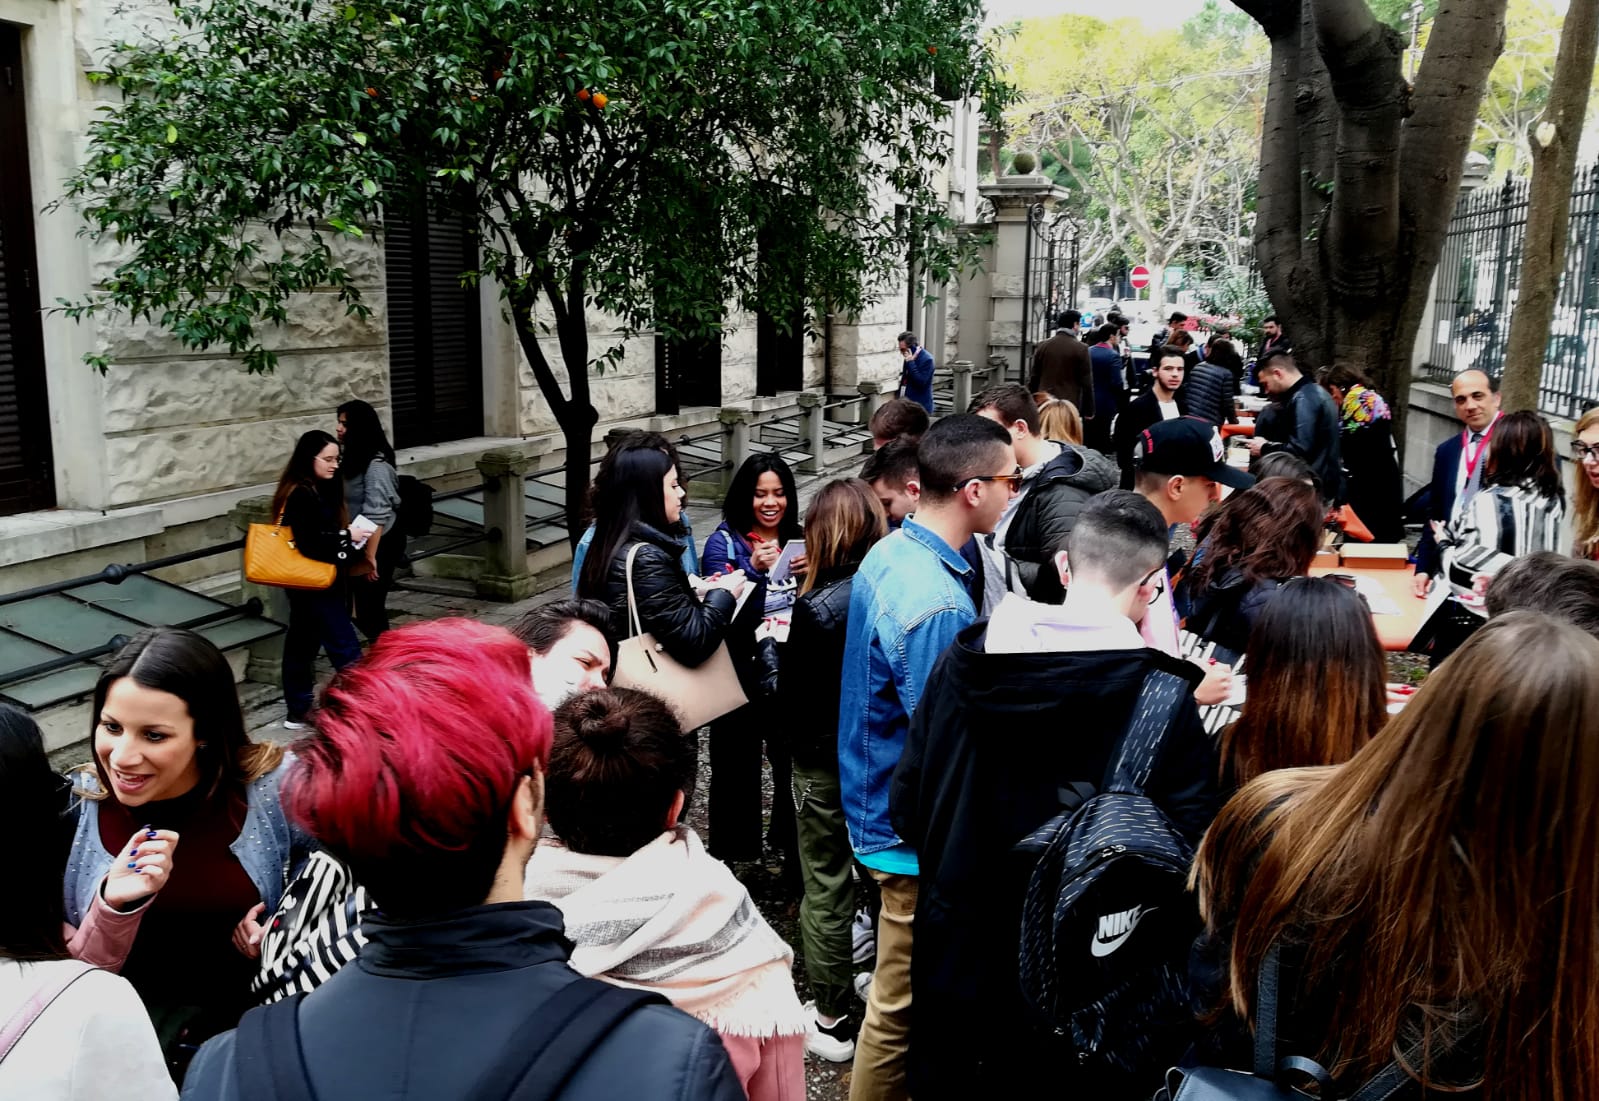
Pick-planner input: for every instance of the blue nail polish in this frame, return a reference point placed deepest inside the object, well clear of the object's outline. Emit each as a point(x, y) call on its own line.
point(135, 852)
point(151, 835)
point(131, 865)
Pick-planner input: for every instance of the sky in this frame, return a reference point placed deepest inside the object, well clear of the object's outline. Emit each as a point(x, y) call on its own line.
point(1157, 13)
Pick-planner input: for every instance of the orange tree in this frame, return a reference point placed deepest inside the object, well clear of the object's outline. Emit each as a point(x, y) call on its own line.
point(619, 161)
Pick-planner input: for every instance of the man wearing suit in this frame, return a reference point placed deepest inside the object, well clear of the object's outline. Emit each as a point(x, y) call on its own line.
point(1061, 367)
point(1457, 466)
point(1160, 402)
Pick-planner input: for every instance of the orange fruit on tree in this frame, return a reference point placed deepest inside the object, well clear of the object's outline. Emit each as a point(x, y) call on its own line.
point(584, 94)
point(601, 99)
point(371, 91)
point(932, 49)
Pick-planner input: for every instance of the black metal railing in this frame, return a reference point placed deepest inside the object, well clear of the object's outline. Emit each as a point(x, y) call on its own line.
point(115, 574)
point(1477, 288)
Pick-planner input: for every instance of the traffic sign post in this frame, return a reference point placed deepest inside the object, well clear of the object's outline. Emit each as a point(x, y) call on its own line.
point(1139, 277)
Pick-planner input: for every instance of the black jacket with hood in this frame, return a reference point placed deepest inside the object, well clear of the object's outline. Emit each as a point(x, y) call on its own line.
point(993, 742)
point(1224, 612)
point(1046, 515)
point(810, 674)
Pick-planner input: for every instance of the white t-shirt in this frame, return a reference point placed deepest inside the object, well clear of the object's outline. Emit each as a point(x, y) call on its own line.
point(1168, 410)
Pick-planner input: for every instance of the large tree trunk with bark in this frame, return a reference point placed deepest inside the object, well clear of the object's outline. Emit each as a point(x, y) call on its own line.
point(1554, 138)
point(1359, 173)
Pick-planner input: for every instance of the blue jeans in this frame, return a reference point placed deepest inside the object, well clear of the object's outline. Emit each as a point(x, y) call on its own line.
point(317, 620)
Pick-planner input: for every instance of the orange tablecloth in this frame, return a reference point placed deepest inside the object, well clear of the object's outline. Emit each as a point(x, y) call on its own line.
point(1237, 430)
point(1395, 631)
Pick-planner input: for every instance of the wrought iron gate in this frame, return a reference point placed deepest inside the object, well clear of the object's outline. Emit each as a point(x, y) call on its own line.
point(1049, 277)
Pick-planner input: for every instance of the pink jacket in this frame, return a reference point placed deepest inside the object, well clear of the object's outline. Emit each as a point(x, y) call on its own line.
point(106, 935)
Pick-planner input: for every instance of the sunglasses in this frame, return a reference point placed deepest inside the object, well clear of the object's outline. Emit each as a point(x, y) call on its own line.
point(1015, 480)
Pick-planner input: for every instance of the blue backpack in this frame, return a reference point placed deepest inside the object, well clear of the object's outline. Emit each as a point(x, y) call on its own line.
point(1108, 922)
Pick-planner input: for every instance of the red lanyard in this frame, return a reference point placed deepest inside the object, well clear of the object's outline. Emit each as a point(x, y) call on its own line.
point(1465, 442)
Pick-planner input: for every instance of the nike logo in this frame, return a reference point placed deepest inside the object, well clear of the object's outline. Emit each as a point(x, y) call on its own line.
point(1114, 929)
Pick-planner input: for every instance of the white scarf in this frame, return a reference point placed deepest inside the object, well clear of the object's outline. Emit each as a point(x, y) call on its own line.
point(671, 918)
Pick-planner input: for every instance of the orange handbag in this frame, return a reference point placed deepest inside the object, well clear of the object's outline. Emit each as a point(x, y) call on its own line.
point(270, 558)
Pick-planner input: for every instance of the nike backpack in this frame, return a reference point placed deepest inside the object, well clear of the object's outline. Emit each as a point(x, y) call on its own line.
point(1108, 923)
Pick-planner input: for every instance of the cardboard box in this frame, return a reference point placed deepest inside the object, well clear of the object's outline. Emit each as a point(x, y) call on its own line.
point(1377, 556)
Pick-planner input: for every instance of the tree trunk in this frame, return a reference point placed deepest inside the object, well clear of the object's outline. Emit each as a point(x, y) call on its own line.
point(1554, 139)
point(1359, 173)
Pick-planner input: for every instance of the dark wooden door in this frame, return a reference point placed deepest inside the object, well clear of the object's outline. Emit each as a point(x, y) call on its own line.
point(26, 478)
point(435, 345)
point(688, 372)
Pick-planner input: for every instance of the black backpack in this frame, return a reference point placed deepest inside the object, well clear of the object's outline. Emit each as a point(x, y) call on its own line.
point(1108, 922)
point(416, 507)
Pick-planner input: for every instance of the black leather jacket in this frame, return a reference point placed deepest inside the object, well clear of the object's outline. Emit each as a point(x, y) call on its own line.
point(690, 629)
point(810, 680)
point(1308, 427)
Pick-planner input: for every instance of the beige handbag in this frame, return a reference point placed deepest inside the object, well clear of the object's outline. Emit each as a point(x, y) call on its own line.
point(698, 694)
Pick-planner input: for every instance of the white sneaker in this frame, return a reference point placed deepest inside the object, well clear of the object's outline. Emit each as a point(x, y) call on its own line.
point(835, 1043)
point(863, 935)
point(290, 724)
point(863, 986)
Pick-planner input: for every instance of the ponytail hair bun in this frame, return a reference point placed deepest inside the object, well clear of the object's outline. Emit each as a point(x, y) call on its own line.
point(603, 729)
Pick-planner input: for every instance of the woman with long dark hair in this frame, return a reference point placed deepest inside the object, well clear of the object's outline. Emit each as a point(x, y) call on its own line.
point(1432, 901)
point(641, 505)
point(171, 753)
point(620, 443)
point(371, 490)
point(92, 1039)
point(1257, 540)
point(1316, 683)
point(310, 502)
point(760, 515)
point(1374, 489)
point(1518, 511)
point(844, 521)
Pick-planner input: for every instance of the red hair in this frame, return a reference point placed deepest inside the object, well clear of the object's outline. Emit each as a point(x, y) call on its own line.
point(418, 751)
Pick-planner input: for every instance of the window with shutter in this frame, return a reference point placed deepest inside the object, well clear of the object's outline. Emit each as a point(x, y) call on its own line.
point(435, 347)
point(26, 478)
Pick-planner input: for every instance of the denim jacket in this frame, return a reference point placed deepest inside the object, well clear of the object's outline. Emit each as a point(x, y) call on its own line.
point(691, 562)
point(269, 846)
point(910, 600)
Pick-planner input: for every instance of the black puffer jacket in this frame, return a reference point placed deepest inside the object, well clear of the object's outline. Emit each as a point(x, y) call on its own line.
point(1224, 612)
point(1207, 393)
point(690, 629)
point(810, 680)
point(1046, 515)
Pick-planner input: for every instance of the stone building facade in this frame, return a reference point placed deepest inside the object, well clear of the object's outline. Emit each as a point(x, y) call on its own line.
point(148, 459)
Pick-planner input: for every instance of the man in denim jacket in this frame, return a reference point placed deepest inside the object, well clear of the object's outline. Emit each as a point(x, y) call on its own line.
point(910, 600)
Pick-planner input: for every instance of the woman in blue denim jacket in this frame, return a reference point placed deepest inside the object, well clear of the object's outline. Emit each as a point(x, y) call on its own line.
point(760, 514)
point(171, 753)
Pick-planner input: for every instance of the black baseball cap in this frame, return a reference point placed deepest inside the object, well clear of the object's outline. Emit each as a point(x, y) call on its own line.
point(1189, 447)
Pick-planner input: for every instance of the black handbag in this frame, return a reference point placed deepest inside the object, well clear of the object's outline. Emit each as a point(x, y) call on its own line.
point(1274, 1074)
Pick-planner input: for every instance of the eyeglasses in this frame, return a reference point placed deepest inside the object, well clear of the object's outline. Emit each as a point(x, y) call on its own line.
point(1583, 453)
point(1014, 479)
point(1157, 578)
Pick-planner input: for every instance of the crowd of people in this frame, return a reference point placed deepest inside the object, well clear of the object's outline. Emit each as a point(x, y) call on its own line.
point(1077, 776)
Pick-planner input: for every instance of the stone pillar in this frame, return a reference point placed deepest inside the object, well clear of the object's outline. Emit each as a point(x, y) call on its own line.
point(265, 664)
point(735, 440)
point(994, 373)
point(812, 419)
point(963, 369)
point(505, 573)
point(1012, 197)
point(877, 395)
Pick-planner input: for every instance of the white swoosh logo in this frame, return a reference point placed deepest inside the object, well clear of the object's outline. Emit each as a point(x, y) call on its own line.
point(1101, 948)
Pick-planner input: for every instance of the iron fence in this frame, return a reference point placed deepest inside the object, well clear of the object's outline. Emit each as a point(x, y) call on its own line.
point(1049, 276)
point(1476, 291)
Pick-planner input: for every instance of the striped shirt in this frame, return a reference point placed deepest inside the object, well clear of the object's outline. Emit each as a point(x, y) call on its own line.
point(1496, 525)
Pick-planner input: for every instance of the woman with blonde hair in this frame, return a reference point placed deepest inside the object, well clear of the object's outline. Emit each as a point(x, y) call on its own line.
point(1585, 452)
point(844, 521)
point(1433, 900)
point(1058, 419)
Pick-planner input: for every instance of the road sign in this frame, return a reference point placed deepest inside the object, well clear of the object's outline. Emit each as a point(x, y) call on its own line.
point(1139, 277)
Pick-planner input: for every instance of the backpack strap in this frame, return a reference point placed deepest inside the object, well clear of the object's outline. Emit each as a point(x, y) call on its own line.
point(632, 604)
point(268, 1062)
point(33, 1007)
point(1159, 698)
point(1266, 1010)
point(560, 1034)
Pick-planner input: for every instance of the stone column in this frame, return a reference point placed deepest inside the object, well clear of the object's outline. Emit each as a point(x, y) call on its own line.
point(812, 419)
point(963, 370)
point(505, 573)
point(994, 373)
point(1012, 198)
point(877, 395)
point(735, 440)
point(265, 664)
